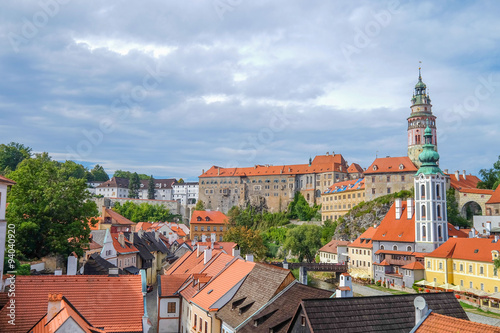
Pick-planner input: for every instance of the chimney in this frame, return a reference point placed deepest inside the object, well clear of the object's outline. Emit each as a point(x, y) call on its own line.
point(463, 173)
point(409, 208)
point(121, 239)
point(472, 233)
point(58, 271)
point(446, 171)
point(488, 227)
point(420, 308)
point(236, 251)
point(249, 257)
point(113, 271)
point(213, 237)
point(398, 208)
point(327, 153)
point(201, 248)
point(457, 175)
point(203, 238)
point(208, 255)
point(218, 171)
point(54, 306)
point(496, 238)
point(457, 227)
point(202, 171)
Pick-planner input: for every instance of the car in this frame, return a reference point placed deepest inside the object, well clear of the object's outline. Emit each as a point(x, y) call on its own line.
point(149, 288)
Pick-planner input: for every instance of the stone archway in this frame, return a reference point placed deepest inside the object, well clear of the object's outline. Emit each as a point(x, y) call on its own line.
point(469, 209)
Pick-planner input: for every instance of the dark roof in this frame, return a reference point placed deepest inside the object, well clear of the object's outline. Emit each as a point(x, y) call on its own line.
point(160, 183)
point(97, 265)
point(116, 182)
point(278, 312)
point(144, 250)
point(394, 313)
point(262, 284)
point(155, 245)
point(132, 270)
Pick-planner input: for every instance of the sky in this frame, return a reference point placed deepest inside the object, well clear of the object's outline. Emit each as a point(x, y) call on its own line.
point(170, 88)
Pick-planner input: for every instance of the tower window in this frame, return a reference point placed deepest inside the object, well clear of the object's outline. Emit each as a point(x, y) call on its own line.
point(439, 211)
point(423, 211)
point(440, 233)
point(424, 233)
point(422, 191)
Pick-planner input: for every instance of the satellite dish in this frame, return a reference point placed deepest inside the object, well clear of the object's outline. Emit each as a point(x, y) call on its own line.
point(419, 303)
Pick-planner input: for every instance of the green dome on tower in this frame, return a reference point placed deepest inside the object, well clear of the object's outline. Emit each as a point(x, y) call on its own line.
point(429, 157)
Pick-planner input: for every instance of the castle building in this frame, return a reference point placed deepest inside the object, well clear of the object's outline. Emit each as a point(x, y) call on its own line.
point(421, 117)
point(339, 198)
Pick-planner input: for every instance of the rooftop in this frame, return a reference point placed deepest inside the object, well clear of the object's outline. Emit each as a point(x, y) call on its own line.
point(346, 186)
point(476, 249)
point(436, 322)
point(391, 165)
point(331, 247)
point(208, 217)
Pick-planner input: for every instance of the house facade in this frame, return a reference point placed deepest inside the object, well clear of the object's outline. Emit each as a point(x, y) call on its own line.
point(116, 187)
point(333, 252)
point(339, 198)
point(361, 255)
point(207, 226)
point(186, 193)
point(163, 189)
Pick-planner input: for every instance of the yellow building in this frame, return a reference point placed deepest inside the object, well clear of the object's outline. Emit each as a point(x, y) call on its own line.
point(207, 225)
point(466, 262)
point(361, 255)
point(341, 197)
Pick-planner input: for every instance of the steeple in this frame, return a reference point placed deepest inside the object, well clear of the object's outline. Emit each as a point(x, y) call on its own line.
point(429, 156)
point(421, 117)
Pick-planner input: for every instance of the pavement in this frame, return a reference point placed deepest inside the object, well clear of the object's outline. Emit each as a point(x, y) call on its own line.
point(151, 299)
point(483, 319)
point(367, 291)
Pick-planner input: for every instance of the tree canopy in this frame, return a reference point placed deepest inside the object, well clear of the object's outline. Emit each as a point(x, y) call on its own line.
point(199, 205)
point(303, 241)
point(11, 155)
point(50, 207)
point(128, 175)
point(97, 174)
point(249, 241)
point(299, 209)
point(490, 177)
point(134, 185)
point(453, 213)
point(144, 212)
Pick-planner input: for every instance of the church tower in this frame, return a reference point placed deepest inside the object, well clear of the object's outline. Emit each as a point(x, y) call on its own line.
point(431, 221)
point(421, 116)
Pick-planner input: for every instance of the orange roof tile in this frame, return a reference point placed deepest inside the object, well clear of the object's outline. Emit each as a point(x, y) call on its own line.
point(321, 163)
point(128, 248)
point(178, 231)
point(390, 229)
point(354, 167)
point(477, 249)
point(414, 265)
point(214, 217)
point(344, 288)
point(365, 239)
point(346, 186)
point(383, 263)
point(495, 197)
point(225, 246)
point(111, 303)
point(460, 233)
point(170, 284)
point(444, 324)
point(221, 284)
point(118, 218)
point(392, 165)
point(331, 247)
point(6, 180)
point(469, 181)
point(475, 190)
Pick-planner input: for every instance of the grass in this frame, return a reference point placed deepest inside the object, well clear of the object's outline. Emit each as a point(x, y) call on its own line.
point(473, 309)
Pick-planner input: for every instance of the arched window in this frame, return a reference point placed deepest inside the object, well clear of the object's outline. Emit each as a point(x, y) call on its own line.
point(395, 248)
point(307, 196)
point(437, 192)
point(408, 249)
point(382, 247)
point(423, 211)
point(440, 232)
point(424, 232)
point(422, 191)
point(439, 211)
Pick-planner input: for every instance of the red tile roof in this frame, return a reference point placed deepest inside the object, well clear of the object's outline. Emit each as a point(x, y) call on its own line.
point(476, 249)
point(128, 248)
point(67, 311)
point(390, 229)
point(475, 190)
point(391, 165)
point(495, 197)
point(354, 167)
point(321, 163)
point(214, 217)
point(225, 246)
point(383, 263)
point(346, 186)
point(170, 284)
point(365, 240)
point(112, 303)
point(331, 247)
point(117, 218)
point(414, 265)
point(178, 231)
point(461, 233)
point(443, 324)
point(469, 181)
point(6, 180)
point(115, 182)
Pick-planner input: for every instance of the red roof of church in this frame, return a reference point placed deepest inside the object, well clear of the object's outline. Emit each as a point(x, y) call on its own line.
point(321, 163)
point(391, 165)
point(390, 229)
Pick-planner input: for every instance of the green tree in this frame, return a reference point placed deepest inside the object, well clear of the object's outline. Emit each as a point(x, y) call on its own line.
point(11, 155)
point(249, 241)
point(151, 188)
point(134, 185)
point(328, 231)
point(496, 263)
point(454, 216)
point(129, 175)
point(303, 241)
point(490, 177)
point(180, 181)
point(98, 174)
point(50, 208)
point(200, 205)
point(144, 212)
point(299, 209)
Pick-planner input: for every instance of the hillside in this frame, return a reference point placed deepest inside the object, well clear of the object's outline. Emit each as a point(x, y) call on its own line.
point(365, 215)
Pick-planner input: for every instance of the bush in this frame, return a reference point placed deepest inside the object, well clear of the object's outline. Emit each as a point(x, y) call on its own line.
point(378, 283)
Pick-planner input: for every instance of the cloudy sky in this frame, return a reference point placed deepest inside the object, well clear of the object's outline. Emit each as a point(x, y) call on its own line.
point(173, 87)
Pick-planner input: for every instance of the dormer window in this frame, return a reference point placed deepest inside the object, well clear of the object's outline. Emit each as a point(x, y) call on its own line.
point(375, 168)
point(401, 166)
point(198, 218)
point(207, 218)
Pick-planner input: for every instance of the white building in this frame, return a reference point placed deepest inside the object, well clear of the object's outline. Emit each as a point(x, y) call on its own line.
point(186, 193)
point(4, 183)
point(163, 189)
point(116, 187)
